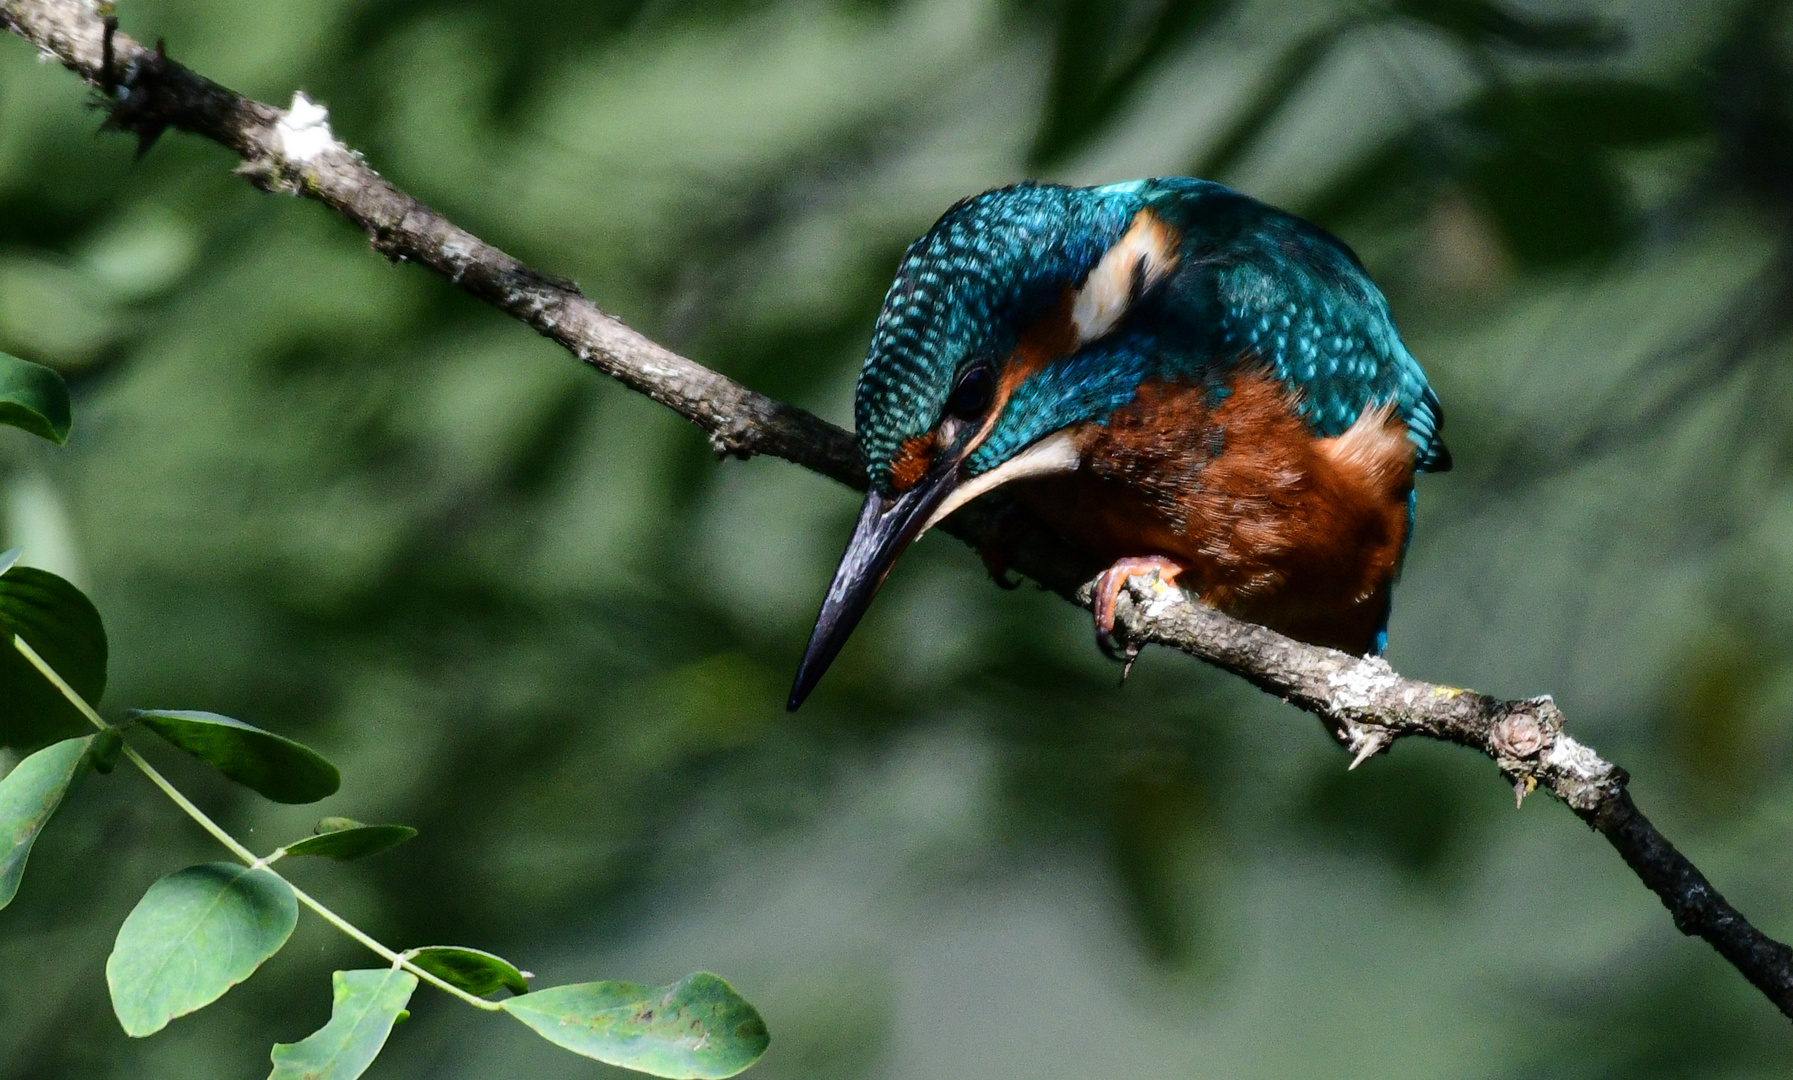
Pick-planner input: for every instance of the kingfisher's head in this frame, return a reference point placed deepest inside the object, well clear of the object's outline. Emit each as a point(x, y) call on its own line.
point(988, 348)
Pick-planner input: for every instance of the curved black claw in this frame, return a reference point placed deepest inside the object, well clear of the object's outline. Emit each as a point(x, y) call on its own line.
point(1116, 647)
point(1112, 640)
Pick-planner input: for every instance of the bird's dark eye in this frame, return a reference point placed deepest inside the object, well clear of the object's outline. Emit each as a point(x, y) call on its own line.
point(972, 394)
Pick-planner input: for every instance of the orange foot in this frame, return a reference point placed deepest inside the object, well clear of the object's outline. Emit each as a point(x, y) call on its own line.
point(1114, 579)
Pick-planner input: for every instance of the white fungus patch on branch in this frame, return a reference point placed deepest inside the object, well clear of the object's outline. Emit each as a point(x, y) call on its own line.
point(303, 133)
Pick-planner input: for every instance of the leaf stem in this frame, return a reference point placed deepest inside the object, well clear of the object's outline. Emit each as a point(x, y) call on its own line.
point(236, 847)
point(194, 812)
point(395, 958)
point(49, 673)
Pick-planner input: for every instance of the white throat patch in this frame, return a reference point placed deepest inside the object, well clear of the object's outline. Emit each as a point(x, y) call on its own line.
point(1056, 453)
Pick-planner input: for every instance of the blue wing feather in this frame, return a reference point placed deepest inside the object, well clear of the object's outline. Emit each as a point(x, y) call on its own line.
point(1290, 295)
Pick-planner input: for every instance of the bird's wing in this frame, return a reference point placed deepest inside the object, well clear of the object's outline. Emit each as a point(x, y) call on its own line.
point(1301, 305)
point(1279, 291)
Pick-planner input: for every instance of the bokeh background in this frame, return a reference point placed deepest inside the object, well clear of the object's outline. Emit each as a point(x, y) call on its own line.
point(530, 614)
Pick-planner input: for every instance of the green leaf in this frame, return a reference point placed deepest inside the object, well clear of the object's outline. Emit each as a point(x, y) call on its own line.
point(63, 627)
point(479, 973)
point(697, 1027)
point(28, 796)
point(34, 398)
point(269, 764)
point(351, 840)
point(366, 1004)
point(195, 934)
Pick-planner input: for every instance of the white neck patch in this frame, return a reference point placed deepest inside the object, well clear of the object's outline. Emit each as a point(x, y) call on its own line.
point(1139, 259)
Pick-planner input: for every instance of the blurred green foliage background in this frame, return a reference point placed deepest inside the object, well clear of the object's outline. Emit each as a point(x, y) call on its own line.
point(529, 614)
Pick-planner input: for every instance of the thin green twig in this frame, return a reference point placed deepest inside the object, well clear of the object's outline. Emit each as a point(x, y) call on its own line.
point(236, 847)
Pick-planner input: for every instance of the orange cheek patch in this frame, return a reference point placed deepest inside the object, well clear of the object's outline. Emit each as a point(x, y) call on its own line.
point(1049, 337)
point(912, 461)
point(1375, 449)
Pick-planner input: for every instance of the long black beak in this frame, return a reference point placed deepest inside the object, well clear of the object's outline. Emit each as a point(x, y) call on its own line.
point(886, 526)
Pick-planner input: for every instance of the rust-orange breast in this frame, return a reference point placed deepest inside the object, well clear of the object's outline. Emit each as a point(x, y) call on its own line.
point(1273, 524)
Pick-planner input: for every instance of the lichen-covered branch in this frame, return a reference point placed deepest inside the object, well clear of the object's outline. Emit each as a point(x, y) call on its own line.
point(1364, 703)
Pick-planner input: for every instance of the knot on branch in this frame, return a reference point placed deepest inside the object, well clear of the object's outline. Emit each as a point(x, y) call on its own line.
point(1527, 741)
point(733, 436)
point(136, 95)
point(1517, 737)
point(1519, 734)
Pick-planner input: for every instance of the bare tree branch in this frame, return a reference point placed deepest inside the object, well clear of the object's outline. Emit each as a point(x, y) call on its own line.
point(1364, 703)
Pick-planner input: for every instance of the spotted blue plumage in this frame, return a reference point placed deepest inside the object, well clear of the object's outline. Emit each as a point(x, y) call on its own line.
point(1253, 286)
point(966, 291)
point(1294, 297)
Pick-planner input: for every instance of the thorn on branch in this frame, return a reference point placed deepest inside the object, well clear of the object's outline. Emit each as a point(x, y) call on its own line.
point(1129, 653)
point(1367, 741)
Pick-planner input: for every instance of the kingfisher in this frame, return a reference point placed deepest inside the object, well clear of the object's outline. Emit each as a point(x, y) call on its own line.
point(1175, 377)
